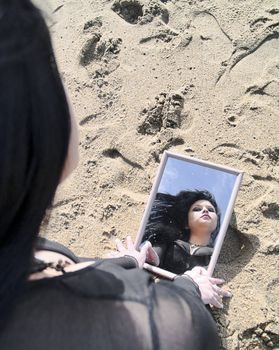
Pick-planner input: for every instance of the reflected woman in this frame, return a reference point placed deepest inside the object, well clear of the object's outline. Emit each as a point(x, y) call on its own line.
point(182, 229)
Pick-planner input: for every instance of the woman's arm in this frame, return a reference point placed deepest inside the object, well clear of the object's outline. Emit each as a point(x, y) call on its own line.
point(181, 318)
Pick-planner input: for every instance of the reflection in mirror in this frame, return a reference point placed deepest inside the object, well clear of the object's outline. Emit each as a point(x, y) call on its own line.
point(188, 212)
point(182, 229)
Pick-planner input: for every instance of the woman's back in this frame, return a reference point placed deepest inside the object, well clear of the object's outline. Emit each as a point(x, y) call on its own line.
point(108, 307)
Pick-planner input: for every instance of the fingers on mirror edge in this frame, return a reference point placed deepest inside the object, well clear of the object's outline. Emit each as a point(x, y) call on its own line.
point(119, 245)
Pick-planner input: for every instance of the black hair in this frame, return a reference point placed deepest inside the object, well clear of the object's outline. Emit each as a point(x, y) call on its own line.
point(34, 137)
point(168, 219)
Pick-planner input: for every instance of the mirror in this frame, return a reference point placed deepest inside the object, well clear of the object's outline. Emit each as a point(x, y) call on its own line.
point(187, 214)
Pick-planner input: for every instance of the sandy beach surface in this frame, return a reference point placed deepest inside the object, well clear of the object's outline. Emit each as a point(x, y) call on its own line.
point(211, 70)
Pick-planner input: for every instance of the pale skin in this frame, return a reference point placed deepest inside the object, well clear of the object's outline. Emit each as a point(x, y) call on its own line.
point(202, 221)
point(73, 154)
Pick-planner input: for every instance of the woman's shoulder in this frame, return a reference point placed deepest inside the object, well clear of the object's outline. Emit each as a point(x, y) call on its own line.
point(99, 280)
point(101, 295)
point(88, 301)
point(103, 280)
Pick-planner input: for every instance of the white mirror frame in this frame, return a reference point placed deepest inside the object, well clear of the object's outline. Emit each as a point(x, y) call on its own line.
point(224, 226)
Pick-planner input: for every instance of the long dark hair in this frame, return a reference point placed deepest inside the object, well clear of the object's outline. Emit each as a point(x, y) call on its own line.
point(168, 219)
point(34, 137)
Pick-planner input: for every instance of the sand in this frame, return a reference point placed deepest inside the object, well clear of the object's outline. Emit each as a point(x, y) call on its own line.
point(199, 78)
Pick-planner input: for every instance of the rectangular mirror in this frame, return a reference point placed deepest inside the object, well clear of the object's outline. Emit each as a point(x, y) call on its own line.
point(187, 214)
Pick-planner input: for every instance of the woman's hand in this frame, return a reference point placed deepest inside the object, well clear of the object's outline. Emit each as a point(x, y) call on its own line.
point(210, 292)
point(129, 249)
point(151, 257)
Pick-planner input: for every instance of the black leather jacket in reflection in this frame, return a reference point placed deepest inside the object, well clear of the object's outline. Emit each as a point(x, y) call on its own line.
point(176, 256)
point(170, 241)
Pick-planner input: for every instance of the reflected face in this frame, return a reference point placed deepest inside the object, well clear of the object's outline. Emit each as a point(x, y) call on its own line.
point(202, 214)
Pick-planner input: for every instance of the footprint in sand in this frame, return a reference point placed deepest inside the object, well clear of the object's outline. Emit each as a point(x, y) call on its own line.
point(133, 11)
point(97, 48)
point(257, 109)
point(99, 53)
point(260, 193)
point(259, 22)
point(268, 157)
point(163, 36)
point(270, 210)
point(253, 54)
point(155, 9)
point(114, 153)
point(234, 152)
point(212, 42)
point(272, 155)
point(255, 94)
point(130, 10)
point(235, 113)
point(265, 90)
point(165, 113)
point(204, 33)
point(164, 142)
point(93, 24)
point(254, 187)
point(91, 50)
point(236, 244)
point(270, 242)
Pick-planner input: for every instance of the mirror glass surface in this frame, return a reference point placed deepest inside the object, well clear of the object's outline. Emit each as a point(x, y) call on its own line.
point(181, 175)
point(189, 207)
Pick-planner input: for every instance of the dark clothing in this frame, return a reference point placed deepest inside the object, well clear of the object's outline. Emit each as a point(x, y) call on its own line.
point(166, 232)
point(45, 244)
point(177, 257)
point(106, 307)
point(127, 262)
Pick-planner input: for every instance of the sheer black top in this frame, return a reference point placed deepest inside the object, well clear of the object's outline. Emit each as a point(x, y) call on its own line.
point(105, 307)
